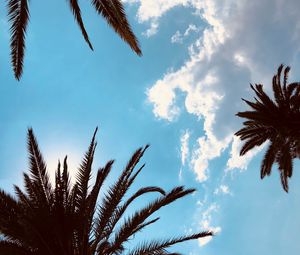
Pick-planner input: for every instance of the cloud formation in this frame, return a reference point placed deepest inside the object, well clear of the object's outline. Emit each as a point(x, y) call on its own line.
point(222, 189)
point(184, 140)
point(150, 11)
point(179, 37)
point(244, 41)
point(206, 223)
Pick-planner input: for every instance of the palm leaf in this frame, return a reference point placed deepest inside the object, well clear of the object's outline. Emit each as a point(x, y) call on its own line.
point(77, 15)
point(114, 196)
point(134, 222)
point(83, 177)
point(268, 161)
point(8, 247)
point(251, 143)
point(121, 210)
point(113, 12)
point(285, 166)
point(18, 14)
point(38, 170)
point(84, 173)
point(156, 247)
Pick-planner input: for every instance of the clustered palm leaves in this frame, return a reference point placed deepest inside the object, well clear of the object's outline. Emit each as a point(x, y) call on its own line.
point(111, 10)
point(65, 219)
point(275, 121)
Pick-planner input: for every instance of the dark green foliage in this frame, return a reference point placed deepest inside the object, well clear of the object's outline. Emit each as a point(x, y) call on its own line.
point(66, 220)
point(275, 121)
point(111, 10)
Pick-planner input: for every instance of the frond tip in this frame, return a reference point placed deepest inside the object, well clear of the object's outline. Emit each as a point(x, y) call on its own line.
point(77, 15)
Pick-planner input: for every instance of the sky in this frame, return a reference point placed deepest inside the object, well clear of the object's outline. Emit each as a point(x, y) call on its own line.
point(181, 96)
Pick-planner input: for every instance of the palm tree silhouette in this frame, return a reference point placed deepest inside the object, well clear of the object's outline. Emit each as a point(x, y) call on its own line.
point(111, 10)
point(66, 219)
point(276, 121)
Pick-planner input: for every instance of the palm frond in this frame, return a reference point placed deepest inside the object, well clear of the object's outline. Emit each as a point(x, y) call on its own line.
point(286, 75)
point(115, 195)
point(93, 196)
point(130, 225)
point(277, 89)
point(83, 177)
point(38, 170)
point(252, 142)
point(113, 12)
point(268, 161)
point(156, 247)
point(77, 15)
point(18, 14)
point(8, 247)
point(285, 166)
point(9, 210)
point(118, 213)
point(84, 172)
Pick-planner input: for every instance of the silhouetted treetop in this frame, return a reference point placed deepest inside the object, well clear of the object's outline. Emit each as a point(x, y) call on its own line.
point(277, 121)
point(72, 219)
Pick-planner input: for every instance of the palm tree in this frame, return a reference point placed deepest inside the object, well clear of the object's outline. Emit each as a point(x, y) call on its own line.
point(111, 10)
point(275, 121)
point(65, 219)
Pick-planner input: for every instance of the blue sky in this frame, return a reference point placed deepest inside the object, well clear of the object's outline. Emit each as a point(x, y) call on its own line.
point(199, 57)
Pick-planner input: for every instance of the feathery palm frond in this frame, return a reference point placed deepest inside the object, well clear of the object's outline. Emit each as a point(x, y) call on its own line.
point(158, 247)
point(39, 175)
point(111, 10)
point(18, 14)
point(77, 15)
point(275, 121)
point(65, 219)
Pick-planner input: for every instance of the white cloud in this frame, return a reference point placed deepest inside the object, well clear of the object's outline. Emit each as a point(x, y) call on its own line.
point(206, 223)
point(178, 37)
point(180, 174)
point(208, 148)
point(152, 30)
point(205, 240)
point(242, 42)
point(237, 161)
point(236, 47)
point(222, 189)
point(184, 141)
point(184, 150)
point(151, 10)
point(190, 28)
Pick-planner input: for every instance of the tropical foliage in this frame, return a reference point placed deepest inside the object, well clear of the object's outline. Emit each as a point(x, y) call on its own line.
point(111, 10)
point(65, 219)
point(275, 121)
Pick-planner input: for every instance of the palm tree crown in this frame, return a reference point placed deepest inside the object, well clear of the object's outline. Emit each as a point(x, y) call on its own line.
point(111, 10)
point(65, 219)
point(275, 121)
